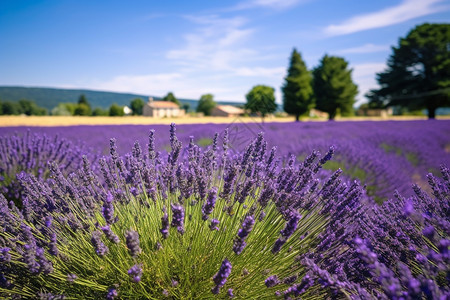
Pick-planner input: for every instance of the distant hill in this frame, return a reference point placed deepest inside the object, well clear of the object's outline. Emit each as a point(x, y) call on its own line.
point(50, 97)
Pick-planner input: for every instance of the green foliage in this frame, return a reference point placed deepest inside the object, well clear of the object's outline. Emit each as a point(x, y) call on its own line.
point(137, 106)
point(206, 104)
point(82, 110)
point(261, 99)
point(171, 97)
point(116, 110)
point(297, 90)
point(418, 73)
point(100, 112)
point(204, 142)
point(31, 109)
point(23, 106)
point(333, 86)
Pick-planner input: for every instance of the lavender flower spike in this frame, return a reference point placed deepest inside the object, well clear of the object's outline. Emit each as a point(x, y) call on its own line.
point(221, 276)
point(178, 217)
point(100, 248)
point(210, 203)
point(272, 281)
point(247, 226)
point(132, 239)
point(136, 273)
point(108, 209)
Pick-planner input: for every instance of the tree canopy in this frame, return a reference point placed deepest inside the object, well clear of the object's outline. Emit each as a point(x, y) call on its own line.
point(333, 86)
point(137, 106)
point(83, 108)
point(116, 110)
point(418, 72)
point(206, 104)
point(297, 90)
point(261, 99)
point(171, 97)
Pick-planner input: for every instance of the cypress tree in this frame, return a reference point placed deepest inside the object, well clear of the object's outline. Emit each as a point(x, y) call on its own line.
point(333, 86)
point(297, 90)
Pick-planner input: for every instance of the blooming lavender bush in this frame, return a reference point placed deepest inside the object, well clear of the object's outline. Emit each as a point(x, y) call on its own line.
point(31, 153)
point(200, 223)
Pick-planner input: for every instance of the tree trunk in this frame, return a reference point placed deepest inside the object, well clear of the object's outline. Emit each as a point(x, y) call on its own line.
point(431, 113)
point(297, 117)
point(331, 115)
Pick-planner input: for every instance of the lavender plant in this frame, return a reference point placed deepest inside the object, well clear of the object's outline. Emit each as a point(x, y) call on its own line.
point(205, 219)
point(31, 153)
point(199, 223)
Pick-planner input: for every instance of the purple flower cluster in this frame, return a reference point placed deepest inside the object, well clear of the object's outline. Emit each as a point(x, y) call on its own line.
point(243, 232)
point(221, 276)
point(132, 240)
point(135, 273)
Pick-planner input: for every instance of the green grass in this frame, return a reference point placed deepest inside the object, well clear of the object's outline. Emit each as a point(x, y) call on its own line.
point(203, 142)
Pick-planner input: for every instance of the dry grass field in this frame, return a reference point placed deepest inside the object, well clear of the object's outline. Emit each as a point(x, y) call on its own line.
point(7, 121)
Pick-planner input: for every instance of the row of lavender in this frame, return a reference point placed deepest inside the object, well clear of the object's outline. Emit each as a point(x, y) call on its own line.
point(221, 221)
point(383, 155)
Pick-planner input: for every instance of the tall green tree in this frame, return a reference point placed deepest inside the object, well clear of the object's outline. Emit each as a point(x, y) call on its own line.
point(171, 97)
point(206, 104)
point(137, 105)
point(297, 90)
point(261, 99)
point(418, 72)
point(333, 86)
point(83, 108)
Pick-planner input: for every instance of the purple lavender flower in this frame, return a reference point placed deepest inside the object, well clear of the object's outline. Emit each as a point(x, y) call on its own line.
point(112, 293)
point(230, 293)
point(165, 225)
point(110, 235)
point(5, 256)
point(210, 203)
point(213, 225)
point(71, 278)
point(100, 248)
point(178, 217)
point(239, 245)
point(247, 226)
point(221, 276)
point(132, 240)
point(291, 226)
point(108, 209)
point(272, 281)
point(277, 246)
point(45, 266)
point(135, 272)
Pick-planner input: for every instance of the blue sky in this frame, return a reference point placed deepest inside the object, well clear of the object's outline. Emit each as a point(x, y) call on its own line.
point(197, 47)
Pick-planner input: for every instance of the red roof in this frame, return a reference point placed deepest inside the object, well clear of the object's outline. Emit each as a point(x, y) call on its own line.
point(163, 104)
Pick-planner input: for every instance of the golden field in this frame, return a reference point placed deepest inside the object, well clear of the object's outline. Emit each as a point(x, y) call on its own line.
point(6, 121)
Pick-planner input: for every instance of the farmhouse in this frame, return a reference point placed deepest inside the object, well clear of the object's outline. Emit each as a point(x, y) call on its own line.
point(374, 112)
point(160, 109)
point(226, 111)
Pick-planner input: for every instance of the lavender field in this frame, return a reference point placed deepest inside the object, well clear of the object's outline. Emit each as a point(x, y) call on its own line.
point(315, 210)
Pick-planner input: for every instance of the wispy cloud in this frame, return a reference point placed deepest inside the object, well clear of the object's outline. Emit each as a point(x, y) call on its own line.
point(216, 44)
point(364, 75)
point(407, 10)
point(367, 48)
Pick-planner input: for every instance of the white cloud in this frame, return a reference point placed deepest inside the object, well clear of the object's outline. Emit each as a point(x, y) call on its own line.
point(367, 48)
point(407, 10)
point(364, 76)
point(216, 44)
point(154, 84)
